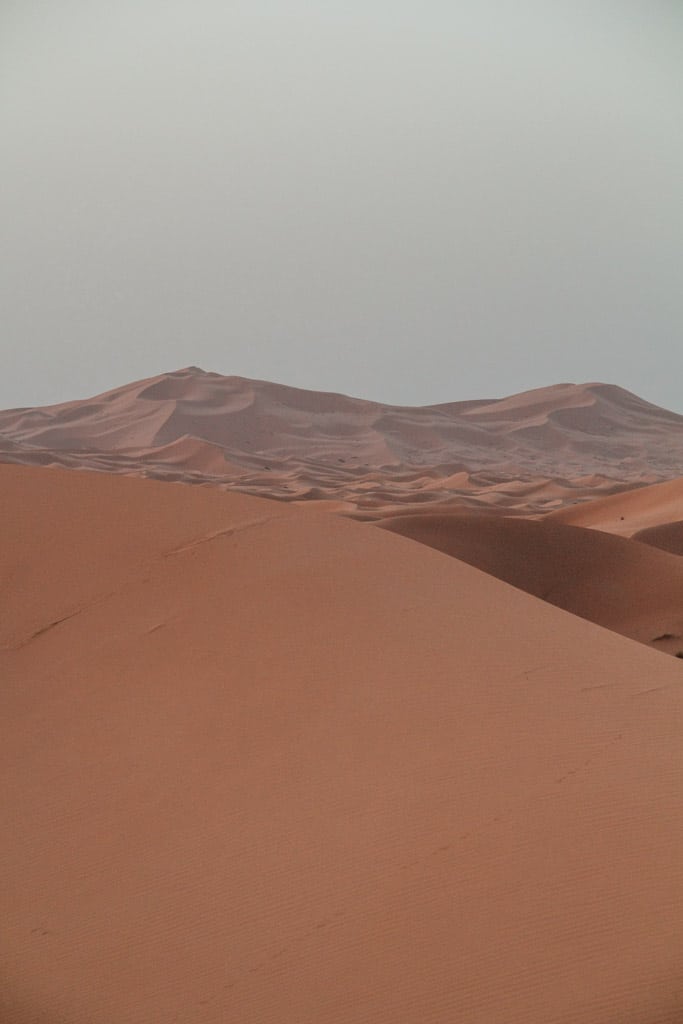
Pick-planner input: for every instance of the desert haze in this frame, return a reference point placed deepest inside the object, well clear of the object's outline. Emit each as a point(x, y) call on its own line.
point(374, 724)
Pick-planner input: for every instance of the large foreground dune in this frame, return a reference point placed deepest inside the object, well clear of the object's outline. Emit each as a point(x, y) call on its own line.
point(264, 765)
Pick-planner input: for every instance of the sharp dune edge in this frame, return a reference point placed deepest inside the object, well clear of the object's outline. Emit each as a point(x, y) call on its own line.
point(629, 587)
point(263, 763)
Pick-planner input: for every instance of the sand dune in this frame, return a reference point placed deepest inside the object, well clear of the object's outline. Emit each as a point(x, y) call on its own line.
point(533, 452)
point(618, 583)
point(628, 513)
point(261, 764)
point(668, 537)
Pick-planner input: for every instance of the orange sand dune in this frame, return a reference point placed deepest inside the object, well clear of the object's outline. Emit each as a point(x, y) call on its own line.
point(262, 765)
point(617, 583)
point(668, 537)
point(628, 513)
point(531, 453)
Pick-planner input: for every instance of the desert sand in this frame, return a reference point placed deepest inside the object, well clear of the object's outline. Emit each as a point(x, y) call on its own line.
point(263, 763)
point(621, 584)
point(630, 513)
point(667, 536)
point(531, 453)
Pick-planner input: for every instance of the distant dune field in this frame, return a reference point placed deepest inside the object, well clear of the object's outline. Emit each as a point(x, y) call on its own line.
point(530, 453)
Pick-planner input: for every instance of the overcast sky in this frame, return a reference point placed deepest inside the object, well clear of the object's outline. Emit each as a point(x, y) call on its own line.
point(412, 202)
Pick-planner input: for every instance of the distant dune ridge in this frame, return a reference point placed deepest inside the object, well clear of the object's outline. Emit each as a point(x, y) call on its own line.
point(535, 451)
point(507, 485)
point(263, 764)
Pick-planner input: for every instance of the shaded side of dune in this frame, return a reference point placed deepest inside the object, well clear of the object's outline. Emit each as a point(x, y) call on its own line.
point(666, 536)
point(610, 580)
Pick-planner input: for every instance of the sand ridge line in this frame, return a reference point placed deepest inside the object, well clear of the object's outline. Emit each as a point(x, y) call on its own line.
point(541, 451)
point(613, 581)
point(228, 531)
point(652, 689)
point(145, 568)
point(595, 757)
point(43, 629)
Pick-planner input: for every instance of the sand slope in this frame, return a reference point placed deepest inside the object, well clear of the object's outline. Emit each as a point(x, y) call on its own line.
point(262, 765)
point(628, 513)
point(618, 583)
point(668, 537)
point(532, 452)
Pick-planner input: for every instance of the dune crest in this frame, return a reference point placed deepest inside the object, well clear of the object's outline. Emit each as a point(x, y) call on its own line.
point(469, 478)
point(623, 585)
point(530, 453)
point(629, 513)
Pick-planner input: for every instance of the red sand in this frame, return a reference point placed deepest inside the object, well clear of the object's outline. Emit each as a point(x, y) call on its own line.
point(265, 765)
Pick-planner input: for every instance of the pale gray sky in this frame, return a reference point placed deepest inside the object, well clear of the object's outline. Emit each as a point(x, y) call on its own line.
point(412, 202)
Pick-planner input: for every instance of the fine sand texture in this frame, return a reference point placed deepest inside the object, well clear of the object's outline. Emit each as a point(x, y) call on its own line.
point(265, 765)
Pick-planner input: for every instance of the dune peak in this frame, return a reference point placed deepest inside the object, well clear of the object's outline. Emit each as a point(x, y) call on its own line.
point(296, 444)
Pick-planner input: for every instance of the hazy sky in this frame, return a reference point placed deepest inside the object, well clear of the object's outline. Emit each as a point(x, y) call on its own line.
point(413, 202)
